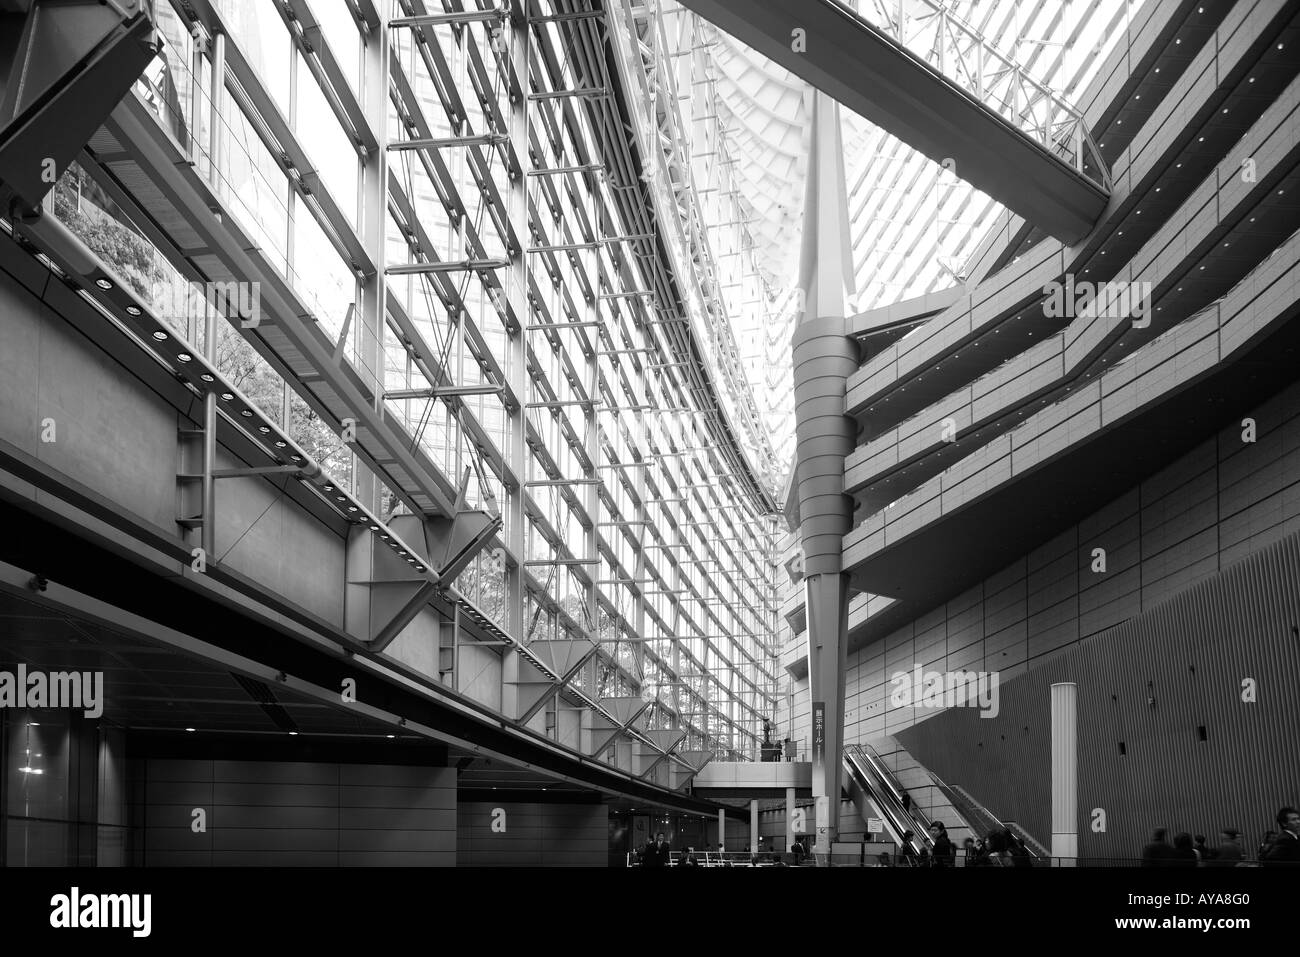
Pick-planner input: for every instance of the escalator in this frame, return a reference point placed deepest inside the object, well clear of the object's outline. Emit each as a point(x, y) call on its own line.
point(875, 794)
point(985, 822)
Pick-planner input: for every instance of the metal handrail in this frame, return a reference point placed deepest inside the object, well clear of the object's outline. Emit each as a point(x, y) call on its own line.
point(887, 777)
point(888, 803)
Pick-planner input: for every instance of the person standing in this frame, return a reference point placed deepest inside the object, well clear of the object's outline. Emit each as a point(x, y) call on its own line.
point(944, 850)
point(650, 853)
point(1228, 853)
point(1204, 854)
point(797, 852)
point(1285, 848)
point(906, 854)
point(1157, 853)
point(1184, 854)
point(665, 850)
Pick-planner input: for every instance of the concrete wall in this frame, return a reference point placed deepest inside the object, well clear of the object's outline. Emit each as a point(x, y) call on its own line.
point(534, 835)
point(1216, 505)
point(264, 813)
point(116, 435)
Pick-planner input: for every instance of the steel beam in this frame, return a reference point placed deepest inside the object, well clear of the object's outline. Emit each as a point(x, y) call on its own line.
point(849, 59)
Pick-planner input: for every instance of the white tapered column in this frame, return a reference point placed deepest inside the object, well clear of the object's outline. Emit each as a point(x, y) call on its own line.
point(1065, 773)
point(824, 356)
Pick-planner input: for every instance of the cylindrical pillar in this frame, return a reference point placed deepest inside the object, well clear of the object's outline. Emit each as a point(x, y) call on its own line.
point(1065, 773)
point(753, 827)
point(722, 830)
point(790, 833)
point(208, 535)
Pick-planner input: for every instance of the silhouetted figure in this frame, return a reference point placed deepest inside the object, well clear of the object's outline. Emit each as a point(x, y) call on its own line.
point(1184, 851)
point(1285, 848)
point(1204, 854)
point(906, 854)
point(1020, 856)
point(797, 852)
point(1158, 852)
point(657, 853)
point(907, 801)
point(650, 854)
point(999, 848)
point(1262, 851)
point(1228, 853)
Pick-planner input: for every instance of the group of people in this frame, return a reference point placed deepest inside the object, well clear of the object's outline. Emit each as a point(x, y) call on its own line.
point(659, 853)
point(1000, 849)
point(1277, 848)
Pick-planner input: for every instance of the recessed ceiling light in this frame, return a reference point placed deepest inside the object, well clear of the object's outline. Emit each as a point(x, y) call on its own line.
point(160, 336)
point(246, 413)
point(228, 396)
point(104, 283)
point(133, 310)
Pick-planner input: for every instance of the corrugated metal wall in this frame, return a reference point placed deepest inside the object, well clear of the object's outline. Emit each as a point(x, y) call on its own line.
point(1165, 737)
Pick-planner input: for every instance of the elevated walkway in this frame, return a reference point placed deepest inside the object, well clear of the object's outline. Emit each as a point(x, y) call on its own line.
point(871, 73)
point(719, 780)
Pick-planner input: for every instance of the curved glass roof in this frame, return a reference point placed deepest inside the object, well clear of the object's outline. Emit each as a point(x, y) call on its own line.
point(914, 226)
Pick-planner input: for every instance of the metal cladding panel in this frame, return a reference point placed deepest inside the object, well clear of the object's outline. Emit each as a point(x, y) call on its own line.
point(1167, 687)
